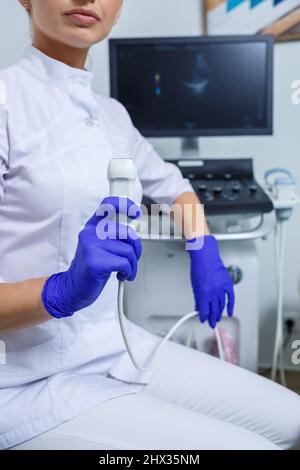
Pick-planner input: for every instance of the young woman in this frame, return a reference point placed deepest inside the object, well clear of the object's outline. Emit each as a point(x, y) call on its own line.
point(68, 382)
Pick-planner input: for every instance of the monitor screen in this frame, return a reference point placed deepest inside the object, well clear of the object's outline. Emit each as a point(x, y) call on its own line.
point(204, 86)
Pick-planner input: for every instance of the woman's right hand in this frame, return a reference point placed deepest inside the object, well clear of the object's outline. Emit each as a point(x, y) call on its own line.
point(104, 246)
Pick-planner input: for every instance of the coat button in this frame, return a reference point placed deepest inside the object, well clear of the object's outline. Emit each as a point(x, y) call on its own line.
point(89, 122)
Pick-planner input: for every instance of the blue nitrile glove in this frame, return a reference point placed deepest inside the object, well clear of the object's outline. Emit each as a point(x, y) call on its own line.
point(104, 246)
point(210, 280)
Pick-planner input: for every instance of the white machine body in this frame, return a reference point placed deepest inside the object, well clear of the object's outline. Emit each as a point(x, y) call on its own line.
point(162, 292)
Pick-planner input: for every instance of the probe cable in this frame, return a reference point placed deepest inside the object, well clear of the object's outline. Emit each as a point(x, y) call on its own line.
point(122, 319)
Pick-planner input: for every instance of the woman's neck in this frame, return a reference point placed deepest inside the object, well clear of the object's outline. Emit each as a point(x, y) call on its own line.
point(72, 56)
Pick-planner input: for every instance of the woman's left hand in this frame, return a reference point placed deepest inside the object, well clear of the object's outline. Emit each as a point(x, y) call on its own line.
point(210, 280)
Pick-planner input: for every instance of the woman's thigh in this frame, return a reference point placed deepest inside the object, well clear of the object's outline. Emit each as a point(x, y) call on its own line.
point(223, 391)
point(142, 421)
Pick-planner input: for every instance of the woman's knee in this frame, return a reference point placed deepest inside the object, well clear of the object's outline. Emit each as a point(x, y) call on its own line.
point(287, 420)
point(292, 437)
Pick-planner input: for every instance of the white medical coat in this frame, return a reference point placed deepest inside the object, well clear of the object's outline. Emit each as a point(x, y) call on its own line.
point(56, 139)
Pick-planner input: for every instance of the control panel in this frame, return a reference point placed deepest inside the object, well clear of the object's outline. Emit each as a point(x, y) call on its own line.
point(226, 186)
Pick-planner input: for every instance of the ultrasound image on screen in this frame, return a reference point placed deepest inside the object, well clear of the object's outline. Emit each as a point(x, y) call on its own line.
point(194, 86)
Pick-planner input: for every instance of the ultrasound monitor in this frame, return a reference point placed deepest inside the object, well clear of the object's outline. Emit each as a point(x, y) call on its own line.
point(195, 86)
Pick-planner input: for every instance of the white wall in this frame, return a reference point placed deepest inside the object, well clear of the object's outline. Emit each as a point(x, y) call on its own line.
point(184, 17)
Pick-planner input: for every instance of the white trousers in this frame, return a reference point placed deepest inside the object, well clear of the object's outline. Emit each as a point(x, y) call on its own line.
point(193, 401)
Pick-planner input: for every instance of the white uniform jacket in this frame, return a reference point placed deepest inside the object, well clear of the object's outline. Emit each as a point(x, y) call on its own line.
point(56, 139)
